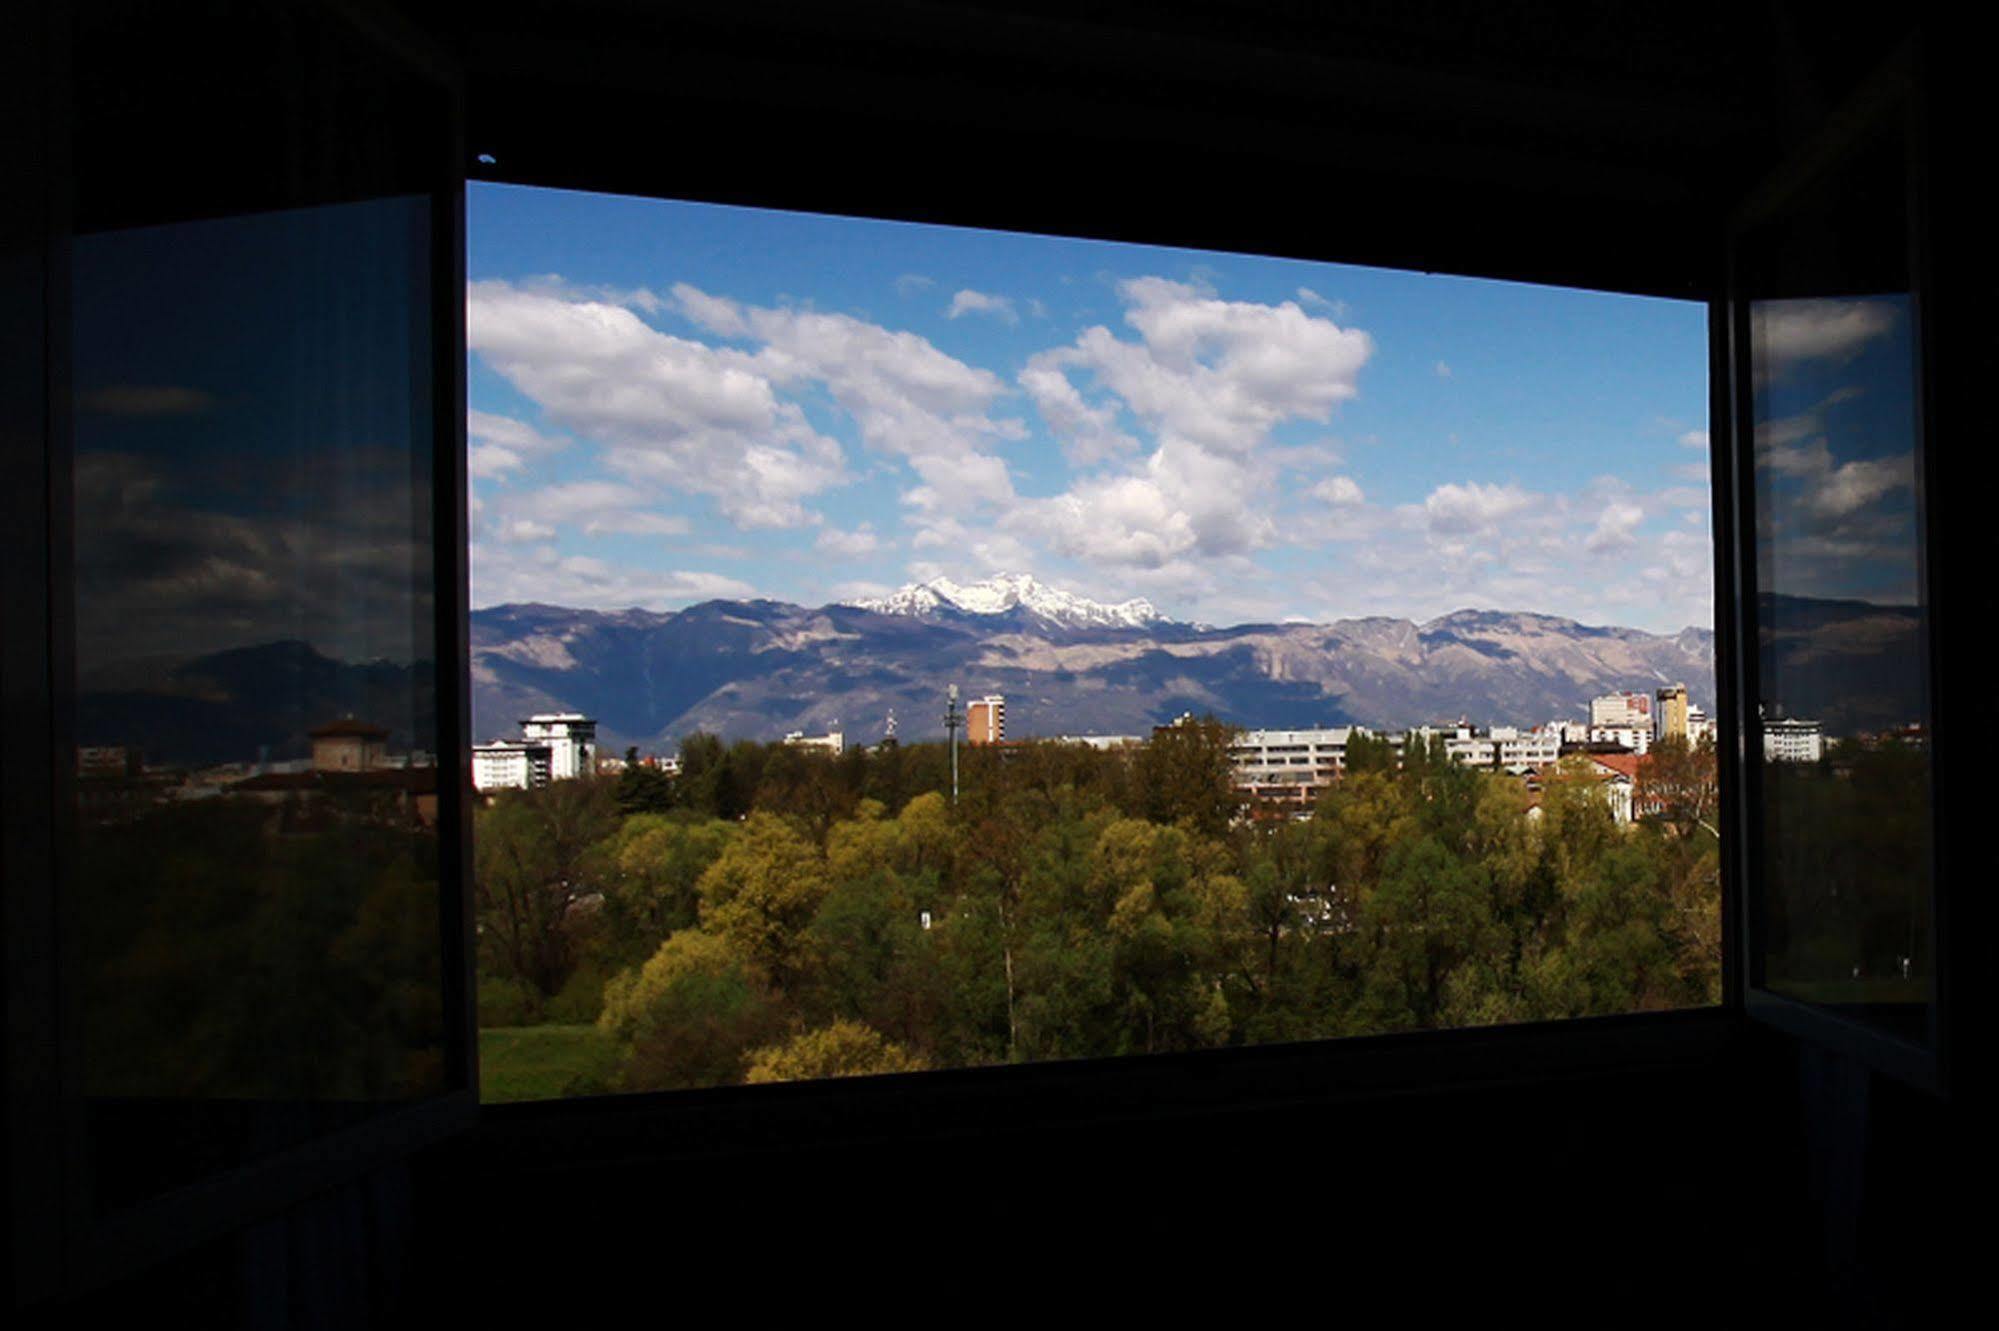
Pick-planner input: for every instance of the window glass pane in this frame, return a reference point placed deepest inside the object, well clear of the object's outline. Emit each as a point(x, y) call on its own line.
point(257, 903)
point(1326, 651)
point(1845, 844)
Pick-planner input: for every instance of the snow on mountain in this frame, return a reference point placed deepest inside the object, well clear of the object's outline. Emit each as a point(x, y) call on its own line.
point(1006, 591)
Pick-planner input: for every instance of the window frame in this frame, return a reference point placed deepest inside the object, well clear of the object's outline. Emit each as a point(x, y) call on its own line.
point(1887, 102)
point(945, 1103)
point(63, 1244)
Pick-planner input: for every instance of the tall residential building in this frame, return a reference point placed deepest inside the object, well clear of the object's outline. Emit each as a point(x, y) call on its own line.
point(1669, 719)
point(1621, 711)
point(571, 739)
point(985, 720)
point(833, 742)
point(1288, 766)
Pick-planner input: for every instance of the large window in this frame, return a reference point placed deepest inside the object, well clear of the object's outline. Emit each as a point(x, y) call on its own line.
point(902, 647)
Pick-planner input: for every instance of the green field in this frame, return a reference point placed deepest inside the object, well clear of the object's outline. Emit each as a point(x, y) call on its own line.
point(544, 1062)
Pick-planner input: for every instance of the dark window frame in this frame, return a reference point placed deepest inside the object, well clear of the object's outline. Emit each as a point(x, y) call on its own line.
point(917, 1109)
point(945, 1103)
point(1887, 103)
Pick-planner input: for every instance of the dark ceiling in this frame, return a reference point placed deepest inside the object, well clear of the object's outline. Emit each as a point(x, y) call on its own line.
point(1588, 144)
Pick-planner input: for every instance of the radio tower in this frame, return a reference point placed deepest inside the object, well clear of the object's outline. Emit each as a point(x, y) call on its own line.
point(953, 718)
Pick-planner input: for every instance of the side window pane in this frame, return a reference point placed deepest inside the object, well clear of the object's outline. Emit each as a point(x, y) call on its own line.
point(256, 874)
point(1843, 699)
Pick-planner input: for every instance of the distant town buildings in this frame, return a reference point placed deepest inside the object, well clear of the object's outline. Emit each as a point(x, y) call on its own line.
point(1620, 711)
point(571, 739)
point(833, 743)
point(351, 775)
point(554, 746)
point(1788, 740)
point(1101, 741)
point(985, 720)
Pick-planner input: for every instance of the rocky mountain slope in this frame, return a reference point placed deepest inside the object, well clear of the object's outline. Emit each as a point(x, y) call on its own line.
point(761, 668)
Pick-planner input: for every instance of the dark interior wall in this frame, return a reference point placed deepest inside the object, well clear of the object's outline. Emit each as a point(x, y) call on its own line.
point(1596, 154)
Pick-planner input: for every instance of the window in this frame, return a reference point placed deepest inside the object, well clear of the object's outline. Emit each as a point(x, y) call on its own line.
point(955, 615)
point(1840, 783)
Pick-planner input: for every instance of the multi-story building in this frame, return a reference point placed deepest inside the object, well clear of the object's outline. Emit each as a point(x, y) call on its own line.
point(1669, 717)
point(571, 739)
point(1638, 739)
point(1289, 766)
point(832, 743)
point(1518, 751)
point(1788, 740)
point(985, 720)
point(1701, 728)
point(512, 765)
point(1620, 711)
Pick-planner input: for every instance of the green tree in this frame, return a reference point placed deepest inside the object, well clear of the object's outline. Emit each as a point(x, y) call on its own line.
point(843, 1049)
point(689, 1015)
point(650, 869)
point(532, 850)
point(643, 788)
point(1184, 774)
point(762, 892)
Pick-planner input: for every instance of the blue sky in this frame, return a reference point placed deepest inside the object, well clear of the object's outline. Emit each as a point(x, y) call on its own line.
point(672, 402)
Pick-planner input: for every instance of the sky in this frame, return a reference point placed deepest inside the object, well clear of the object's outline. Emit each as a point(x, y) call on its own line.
point(674, 402)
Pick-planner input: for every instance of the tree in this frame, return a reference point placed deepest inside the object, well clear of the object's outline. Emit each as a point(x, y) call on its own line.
point(643, 788)
point(689, 1015)
point(1184, 774)
point(651, 873)
point(843, 1049)
point(532, 850)
point(1676, 782)
point(761, 894)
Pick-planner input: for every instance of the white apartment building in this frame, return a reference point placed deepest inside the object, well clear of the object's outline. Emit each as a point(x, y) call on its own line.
point(1792, 741)
point(1700, 727)
point(1638, 739)
point(571, 739)
point(1291, 766)
point(1505, 748)
point(511, 765)
point(833, 743)
point(1621, 711)
point(1516, 751)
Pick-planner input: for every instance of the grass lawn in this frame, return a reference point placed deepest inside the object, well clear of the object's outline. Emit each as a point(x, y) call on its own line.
point(544, 1062)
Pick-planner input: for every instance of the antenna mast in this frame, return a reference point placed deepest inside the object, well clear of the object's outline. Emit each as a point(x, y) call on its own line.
point(952, 720)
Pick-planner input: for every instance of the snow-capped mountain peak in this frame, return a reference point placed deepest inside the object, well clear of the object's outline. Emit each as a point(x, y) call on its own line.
point(1006, 591)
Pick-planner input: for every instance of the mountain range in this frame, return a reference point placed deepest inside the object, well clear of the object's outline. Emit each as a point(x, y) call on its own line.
point(759, 669)
point(1066, 665)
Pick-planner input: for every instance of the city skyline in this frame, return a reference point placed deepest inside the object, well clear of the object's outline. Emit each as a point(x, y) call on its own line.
point(678, 402)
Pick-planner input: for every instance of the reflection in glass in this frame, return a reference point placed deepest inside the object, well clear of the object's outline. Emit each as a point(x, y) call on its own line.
point(1845, 776)
point(256, 718)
